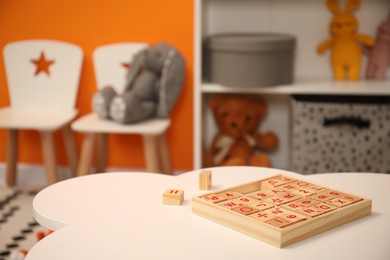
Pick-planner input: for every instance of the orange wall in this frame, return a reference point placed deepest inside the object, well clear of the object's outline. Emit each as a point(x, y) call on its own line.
point(91, 23)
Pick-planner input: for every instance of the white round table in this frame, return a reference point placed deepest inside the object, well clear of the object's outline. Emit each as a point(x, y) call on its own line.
point(121, 216)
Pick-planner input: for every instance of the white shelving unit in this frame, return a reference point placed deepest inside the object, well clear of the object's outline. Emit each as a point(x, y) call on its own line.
point(310, 87)
point(308, 20)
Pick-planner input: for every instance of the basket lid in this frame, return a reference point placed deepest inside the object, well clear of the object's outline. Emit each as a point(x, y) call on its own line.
point(247, 42)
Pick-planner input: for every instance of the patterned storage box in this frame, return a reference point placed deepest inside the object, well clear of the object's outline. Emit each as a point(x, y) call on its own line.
point(340, 134)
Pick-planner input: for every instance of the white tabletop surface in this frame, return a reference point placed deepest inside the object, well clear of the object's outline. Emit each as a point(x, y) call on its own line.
point(121, 216)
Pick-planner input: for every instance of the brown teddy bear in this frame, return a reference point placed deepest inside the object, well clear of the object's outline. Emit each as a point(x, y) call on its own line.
point(238, 117)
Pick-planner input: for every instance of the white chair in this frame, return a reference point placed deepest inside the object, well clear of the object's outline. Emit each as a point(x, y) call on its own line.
point(43, 80)
point(110, 63)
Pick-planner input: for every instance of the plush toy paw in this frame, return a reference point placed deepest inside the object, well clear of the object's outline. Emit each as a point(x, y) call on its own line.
point(101, 102)
point(118, 110)
point(127, 109)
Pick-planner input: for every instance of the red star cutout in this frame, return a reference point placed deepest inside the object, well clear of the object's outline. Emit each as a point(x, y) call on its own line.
point(42, 64)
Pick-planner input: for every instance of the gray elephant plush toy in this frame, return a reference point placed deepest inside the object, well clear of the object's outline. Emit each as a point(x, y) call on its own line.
point(153, 85)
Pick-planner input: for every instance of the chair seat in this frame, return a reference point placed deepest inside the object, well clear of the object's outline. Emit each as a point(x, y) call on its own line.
point(12, 118)
point(92, 124)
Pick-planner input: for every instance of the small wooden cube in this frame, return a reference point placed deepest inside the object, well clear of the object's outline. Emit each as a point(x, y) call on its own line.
point(173, 197)
point(205, 180)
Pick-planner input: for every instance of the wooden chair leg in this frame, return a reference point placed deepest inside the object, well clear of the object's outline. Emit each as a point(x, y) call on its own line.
point(49, 156)
point(71, 149)
point(151, 153)
point(86, 154)
point(101, 152)
point(165, 157)
point(12, 157)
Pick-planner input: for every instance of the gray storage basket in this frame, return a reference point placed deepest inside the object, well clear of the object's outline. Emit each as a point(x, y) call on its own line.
point(340, 134)
point(249, 59)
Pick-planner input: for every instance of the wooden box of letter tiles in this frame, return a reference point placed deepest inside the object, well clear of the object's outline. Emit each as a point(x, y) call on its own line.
point(281, 210)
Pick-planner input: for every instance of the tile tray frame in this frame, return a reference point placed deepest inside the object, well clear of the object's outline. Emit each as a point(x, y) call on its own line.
point(279, 237)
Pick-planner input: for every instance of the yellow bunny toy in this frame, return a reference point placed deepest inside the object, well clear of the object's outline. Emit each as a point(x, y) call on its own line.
point(345, 43)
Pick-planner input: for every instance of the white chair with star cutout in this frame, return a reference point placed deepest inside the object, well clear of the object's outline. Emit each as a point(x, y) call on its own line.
point(43, 80)
point(111, 64)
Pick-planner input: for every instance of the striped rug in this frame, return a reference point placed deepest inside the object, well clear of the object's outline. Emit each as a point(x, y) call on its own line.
point(18, 229)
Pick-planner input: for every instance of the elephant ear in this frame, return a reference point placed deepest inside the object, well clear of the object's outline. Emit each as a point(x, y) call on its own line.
point(136, 66)
point(172, 79)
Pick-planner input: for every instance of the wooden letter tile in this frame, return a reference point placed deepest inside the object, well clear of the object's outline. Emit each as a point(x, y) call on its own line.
point(173, 197)
point(278, 211)
point(276, 191)
point(205, 180)
point(302, 184)
point(316, 188)
point(294, 217)
point(287, 197)
point(213, 198)
point(229, 204)
point(278, 222)
point(326, 195)
point(271, 183)
point(275, 200)
point(261, 205)
point(245, 200)
point(285, 179)
point(230, 194)
point(300, 204)
point(351, 197)
point(292, 206)
point(306, 202)
point(275, 182)
point(288, 187)
point(323, 208)
point(317, 210)
point(245, 210)
point(310, 212)
point(260, 194)
point(303, 191)
point(262, 216)
point(340, 202)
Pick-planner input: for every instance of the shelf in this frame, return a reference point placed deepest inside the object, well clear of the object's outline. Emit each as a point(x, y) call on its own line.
point(308, 21)
point(310, 87)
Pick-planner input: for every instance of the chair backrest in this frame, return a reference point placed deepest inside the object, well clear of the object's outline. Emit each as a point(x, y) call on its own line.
point(111, 63)
point(43, 74)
